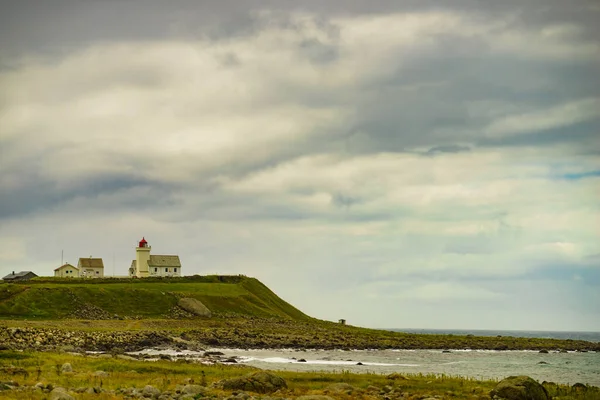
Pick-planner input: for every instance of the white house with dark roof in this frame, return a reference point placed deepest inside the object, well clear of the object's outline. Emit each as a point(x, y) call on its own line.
point(146, 265)
point(91, 267)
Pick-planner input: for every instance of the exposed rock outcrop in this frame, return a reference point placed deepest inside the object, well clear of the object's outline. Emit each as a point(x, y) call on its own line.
point(519, 388)
point(195, 307)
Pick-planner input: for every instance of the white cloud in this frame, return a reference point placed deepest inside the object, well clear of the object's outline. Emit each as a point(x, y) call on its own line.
point(540, 120)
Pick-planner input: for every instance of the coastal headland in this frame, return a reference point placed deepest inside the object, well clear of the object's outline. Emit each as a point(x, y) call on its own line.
point(243, 313)
point(48, 323)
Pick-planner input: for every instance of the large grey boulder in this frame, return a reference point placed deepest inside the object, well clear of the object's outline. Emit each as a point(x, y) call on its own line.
point(66, 368)
point(60, 393)
point(194, 389)
point(340, 388)
point(259, 382)
point(194, 306)
point(150, 391)
point(519, 388)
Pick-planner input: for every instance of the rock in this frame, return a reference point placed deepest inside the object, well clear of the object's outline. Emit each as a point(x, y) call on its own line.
point(194, 389)
point(150, 391)
point(396, 376)
point(542, 362)
point(302, 360)
point(260, 382)
point(242, 396)
point(340, 388)
point(519, 388)
point(66, 367)
point(60, 393)
point(124, 357)
point(194, 306)
point(359, 363)
point(543, 351)
point(231, 360)
point(579, 386)
point(101, 374)
point(213, 353)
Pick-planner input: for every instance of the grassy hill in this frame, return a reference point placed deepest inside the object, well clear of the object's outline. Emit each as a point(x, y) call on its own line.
point(52, 298)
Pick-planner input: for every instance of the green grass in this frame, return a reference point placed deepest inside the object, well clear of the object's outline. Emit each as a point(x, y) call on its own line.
point(48, 298)
point(166, 375)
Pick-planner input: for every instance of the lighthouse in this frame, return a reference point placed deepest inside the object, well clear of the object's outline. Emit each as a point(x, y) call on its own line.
point(142, 256)
point(157, 265)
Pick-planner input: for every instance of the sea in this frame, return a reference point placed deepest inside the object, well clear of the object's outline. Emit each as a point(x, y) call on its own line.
point(574, 335)
point(567, 368)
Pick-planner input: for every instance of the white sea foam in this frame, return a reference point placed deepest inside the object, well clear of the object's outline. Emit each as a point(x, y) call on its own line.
point(282, 360)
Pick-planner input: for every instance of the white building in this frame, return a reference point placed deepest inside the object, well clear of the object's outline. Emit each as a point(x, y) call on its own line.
point(146, 265)
point(67, 271)
point(91, 267)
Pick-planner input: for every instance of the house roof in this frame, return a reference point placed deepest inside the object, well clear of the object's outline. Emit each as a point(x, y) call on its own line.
point(65, 265)
point(18, 275)
point(90, 263)
point(164, 261)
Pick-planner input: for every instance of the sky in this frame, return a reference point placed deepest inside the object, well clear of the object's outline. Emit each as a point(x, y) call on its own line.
point(399, 164)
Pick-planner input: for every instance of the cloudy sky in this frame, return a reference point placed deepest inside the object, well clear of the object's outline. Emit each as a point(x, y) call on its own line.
point(407, 164)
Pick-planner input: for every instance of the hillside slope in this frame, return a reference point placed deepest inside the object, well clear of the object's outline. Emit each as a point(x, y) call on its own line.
point(50, 298)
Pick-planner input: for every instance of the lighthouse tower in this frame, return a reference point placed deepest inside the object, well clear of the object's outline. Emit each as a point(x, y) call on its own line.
point(142, 256)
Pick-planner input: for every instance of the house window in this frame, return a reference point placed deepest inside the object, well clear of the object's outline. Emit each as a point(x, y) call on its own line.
point(97, 272)
point(155, 269)
point(174, 269)
point(166, 269)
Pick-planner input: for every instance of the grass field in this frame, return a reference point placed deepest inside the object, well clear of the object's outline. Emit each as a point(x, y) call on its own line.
point(50, 299)
point(33, 367)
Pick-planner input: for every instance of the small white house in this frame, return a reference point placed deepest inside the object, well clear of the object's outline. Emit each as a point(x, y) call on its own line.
point(146, 265)
point(91, 267)
point(66, 271)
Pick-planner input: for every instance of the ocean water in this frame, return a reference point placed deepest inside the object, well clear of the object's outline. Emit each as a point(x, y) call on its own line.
point(568, 368)
point(587, 336)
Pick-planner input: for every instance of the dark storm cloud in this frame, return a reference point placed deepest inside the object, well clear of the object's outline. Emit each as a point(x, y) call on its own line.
point(62, 24)
point(36, 194)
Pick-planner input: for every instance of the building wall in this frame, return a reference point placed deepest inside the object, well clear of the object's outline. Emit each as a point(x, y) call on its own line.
point(164, 271)
point(92, 272)
point(67, 272)
point(142, 256)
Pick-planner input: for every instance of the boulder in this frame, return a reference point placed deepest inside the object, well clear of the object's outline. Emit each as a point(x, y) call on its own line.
point(60, 393)
point(194, 390)
point(259, 382)
point(150, 391)
point(519, 388)
point(66, 367)
point(194, 306)
point(340, 388)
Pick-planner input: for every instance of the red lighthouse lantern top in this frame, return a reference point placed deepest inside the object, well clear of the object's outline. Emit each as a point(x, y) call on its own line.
point(143, 243)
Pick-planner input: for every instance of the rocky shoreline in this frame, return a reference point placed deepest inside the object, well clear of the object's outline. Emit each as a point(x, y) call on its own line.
point(121, 341)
